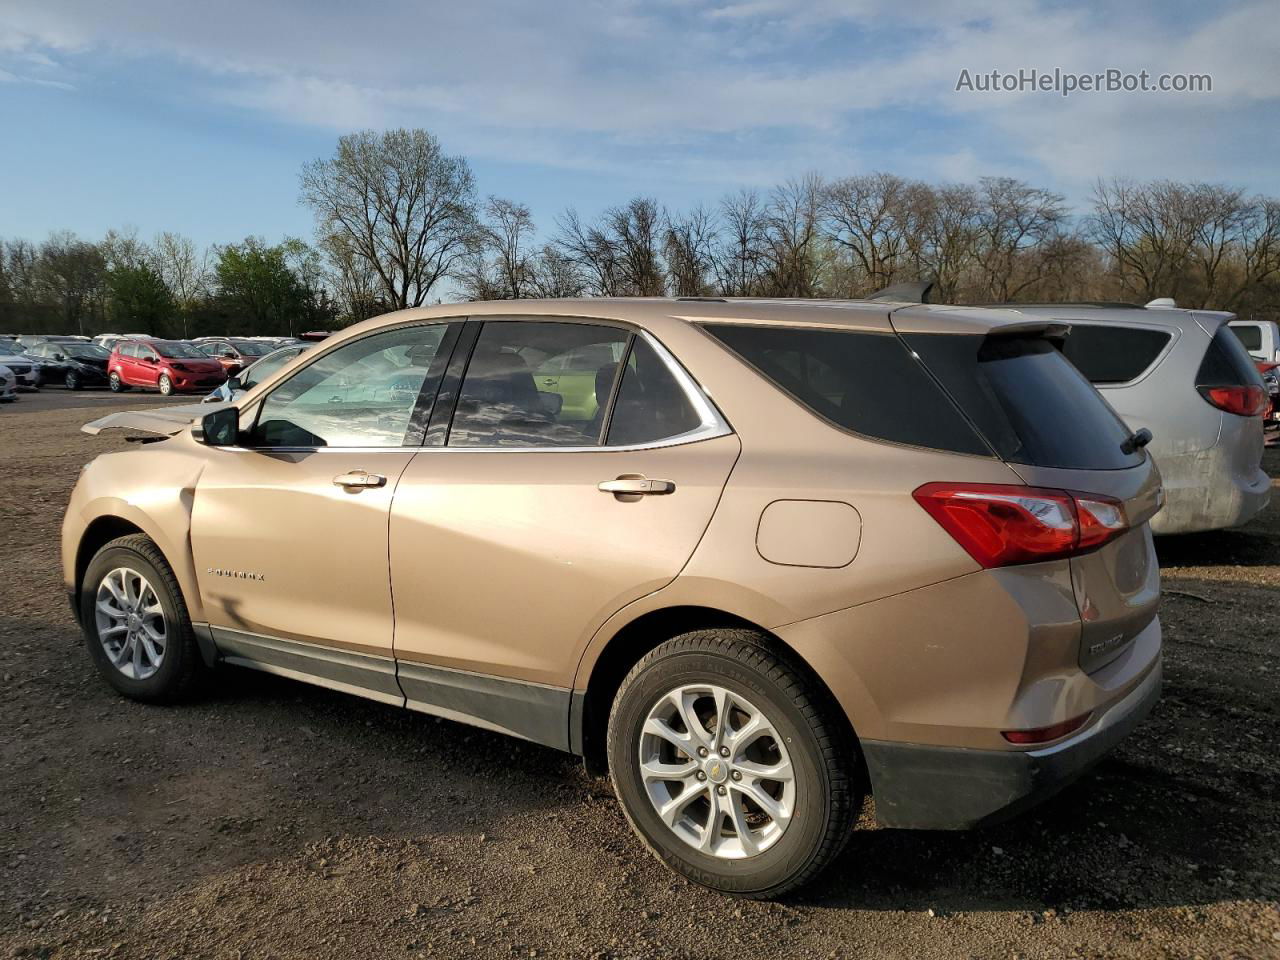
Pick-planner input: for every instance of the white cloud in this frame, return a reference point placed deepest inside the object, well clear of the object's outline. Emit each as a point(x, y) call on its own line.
point(607, 82)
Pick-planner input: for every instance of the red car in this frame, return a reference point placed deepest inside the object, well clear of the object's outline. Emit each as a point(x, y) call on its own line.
point(169, 366)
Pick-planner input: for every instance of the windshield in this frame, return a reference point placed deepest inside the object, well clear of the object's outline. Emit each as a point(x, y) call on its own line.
point(175, 350)
point(84, 351)
point(253, 348)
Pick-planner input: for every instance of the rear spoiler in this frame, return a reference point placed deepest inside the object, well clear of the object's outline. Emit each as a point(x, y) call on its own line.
point(164, 422)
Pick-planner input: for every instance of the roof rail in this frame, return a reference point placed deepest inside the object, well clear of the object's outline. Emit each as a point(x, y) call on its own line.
point(704, 299)
point(917, 291)
point(1105, 304)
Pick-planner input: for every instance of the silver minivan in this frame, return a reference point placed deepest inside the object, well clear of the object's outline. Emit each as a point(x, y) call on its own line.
point(1184, 376)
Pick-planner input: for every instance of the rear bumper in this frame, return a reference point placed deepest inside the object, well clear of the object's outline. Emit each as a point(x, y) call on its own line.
point(954, 788)
point(1203, 491)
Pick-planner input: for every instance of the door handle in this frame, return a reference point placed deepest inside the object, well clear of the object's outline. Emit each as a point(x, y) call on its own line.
point(359, 479)
point(641, 486)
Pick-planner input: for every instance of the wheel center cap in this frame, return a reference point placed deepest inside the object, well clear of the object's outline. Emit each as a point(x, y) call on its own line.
point(717, 769)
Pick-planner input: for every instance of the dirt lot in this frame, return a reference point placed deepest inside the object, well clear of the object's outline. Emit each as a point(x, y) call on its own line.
point(273, 819)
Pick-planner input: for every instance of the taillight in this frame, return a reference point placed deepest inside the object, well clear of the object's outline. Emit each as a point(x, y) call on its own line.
point(1003, 524)
point(1249, 401)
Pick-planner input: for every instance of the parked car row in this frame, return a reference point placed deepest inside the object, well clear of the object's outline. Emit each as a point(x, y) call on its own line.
point(138, 361)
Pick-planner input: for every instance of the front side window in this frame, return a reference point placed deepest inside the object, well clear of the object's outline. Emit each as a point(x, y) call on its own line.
point(363, 394)
point(535, 383)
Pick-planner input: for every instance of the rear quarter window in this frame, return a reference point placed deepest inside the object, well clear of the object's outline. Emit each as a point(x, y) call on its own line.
point(1112, 354)
point(1227, 363)
point(867, 383)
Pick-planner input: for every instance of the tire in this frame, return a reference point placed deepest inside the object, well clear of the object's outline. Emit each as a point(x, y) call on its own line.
point(813, 815)
point(115, 383)
point(180, 666)
point(166, 385)
point(72, 380)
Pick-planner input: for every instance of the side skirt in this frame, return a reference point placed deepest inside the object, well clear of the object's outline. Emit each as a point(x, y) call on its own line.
point(531, 711)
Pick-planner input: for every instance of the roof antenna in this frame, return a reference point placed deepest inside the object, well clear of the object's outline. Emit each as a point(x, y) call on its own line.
point(917, 291)
point(1162, 303)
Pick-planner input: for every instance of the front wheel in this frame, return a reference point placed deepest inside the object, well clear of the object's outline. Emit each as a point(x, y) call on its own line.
point(732, 764)
point(72, 380)
point(166, 385)
point(135, 622)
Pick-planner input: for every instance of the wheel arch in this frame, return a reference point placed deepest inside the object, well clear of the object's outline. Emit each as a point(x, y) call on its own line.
point(589, 714)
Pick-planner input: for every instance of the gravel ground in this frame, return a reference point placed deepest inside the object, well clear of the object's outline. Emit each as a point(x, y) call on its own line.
point(273, 819)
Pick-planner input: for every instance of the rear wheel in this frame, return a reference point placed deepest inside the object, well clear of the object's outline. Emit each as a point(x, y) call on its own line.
point(135, 622)
point(731, 763)
point(117, 385)
point(166, 385)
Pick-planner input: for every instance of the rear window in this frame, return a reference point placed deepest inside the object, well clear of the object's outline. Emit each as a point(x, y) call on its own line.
point(1029, 402)
point(1227, 363)
point(1106, 354)
point(868, 383)
point(1250, 336)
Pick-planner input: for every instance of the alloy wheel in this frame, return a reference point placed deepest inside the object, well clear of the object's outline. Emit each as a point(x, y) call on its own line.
point(166, 385)
point(717, 771)
point(131, 623)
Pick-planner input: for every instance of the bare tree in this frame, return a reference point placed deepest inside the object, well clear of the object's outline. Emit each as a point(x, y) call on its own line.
point(184, 271)
point(555, 275)
point(1147, 233)
point(500, 267)
point(792, 218)
point(400, 204)
point(740, 262)
point(356, 285)
point(689, 248)
point(871, 217)
point(73, 274)
point(1014, 217)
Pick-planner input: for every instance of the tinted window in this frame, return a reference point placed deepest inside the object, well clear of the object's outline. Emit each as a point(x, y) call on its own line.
point(363, 394)
point(1113, 354)
point(533, 383)
point(1250, 336)
point(1226, 363)
point(865, 382)
point(651, 404)
point(1032, 405)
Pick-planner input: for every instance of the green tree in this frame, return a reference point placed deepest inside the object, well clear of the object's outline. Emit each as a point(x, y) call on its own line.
point(139, 301)
point(257, 280)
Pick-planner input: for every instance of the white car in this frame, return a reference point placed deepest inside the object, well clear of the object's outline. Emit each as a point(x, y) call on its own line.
point(25, 370)
point(8, 385)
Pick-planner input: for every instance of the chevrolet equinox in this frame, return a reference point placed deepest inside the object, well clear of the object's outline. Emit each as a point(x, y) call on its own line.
point(754, 559)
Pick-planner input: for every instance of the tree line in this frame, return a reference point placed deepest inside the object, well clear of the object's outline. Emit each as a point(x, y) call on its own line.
point(399, 223)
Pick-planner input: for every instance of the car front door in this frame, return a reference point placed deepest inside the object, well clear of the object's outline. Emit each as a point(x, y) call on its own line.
point(146, 368)
point(542, 516)
point(289, 529)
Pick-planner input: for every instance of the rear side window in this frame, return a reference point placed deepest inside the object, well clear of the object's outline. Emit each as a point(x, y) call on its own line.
point(868, 383)
point(1250, 336)
point(1106, 354)
point(651, 405)
point(1226, 363)
point(1030, 403)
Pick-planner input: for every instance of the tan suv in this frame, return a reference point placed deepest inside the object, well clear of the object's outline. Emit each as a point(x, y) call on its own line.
point(753, 558)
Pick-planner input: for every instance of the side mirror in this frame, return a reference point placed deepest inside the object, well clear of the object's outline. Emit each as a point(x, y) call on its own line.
point(59, 356)
point(149, 359)
point(234, 384)
point(218, 429)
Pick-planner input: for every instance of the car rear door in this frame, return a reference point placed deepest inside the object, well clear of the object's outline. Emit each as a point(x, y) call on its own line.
point(533, 522)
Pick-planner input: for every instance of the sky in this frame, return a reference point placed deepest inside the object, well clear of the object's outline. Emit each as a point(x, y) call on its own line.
point(197, 117)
